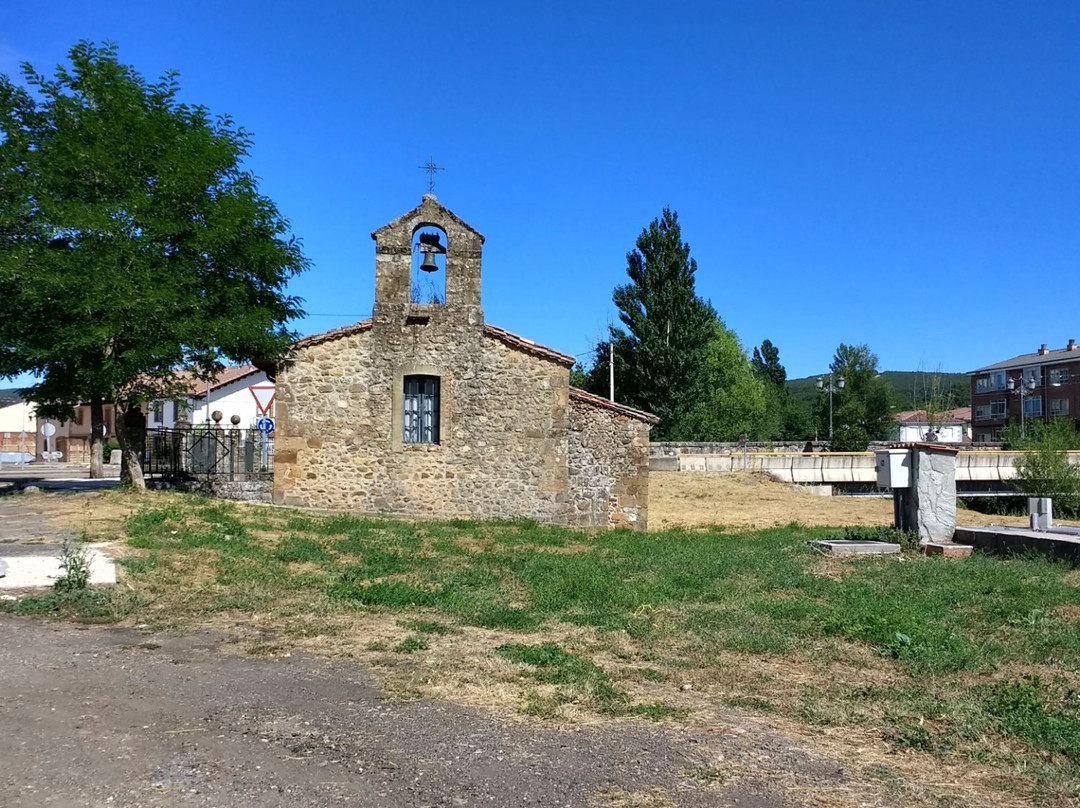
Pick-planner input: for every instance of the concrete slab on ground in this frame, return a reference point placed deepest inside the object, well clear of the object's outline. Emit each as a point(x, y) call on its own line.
point(22, 570)
point(31, 545)
point(1063, 543)
point(849, 547)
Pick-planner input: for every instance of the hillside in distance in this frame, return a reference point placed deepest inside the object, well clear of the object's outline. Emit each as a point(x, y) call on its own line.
point(909, 387)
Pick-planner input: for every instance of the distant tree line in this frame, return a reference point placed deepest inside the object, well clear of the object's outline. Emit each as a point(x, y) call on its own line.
point(675, 357)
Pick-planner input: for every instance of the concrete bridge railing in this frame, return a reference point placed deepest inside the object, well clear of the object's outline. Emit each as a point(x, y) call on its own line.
point(836, 467)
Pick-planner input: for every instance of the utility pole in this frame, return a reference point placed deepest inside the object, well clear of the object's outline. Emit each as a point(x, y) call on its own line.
point(611, 371)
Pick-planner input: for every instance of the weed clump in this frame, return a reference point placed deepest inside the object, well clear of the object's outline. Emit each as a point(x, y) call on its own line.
point(74, 568)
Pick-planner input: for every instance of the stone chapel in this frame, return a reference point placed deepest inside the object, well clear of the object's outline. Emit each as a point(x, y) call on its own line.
point(426, 411)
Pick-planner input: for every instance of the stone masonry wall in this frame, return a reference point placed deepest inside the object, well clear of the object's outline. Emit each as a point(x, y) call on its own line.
point(513, 443)
point(503, 444)
point(609, 468)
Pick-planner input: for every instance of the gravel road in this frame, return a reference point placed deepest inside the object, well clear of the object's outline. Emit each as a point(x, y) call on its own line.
point(93, 716)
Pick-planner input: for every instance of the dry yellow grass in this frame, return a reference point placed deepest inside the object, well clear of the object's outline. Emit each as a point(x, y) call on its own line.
point(757, 502)
point(99, 515)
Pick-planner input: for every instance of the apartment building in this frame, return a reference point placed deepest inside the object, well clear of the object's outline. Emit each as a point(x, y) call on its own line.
point(1030, 387)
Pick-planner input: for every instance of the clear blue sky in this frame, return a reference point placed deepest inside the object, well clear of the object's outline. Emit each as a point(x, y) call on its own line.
point(900, 174)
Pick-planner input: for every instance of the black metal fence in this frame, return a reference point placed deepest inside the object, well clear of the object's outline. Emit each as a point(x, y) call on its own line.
point(201, 451)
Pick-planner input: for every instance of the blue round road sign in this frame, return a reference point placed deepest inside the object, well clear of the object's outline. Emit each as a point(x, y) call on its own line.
point(265, 425)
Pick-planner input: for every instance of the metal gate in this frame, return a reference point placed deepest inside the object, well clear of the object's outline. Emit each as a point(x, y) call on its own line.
point(233, 454)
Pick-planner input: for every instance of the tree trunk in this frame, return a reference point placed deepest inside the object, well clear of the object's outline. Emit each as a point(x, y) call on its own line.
point(131, 432)
point(97, 437)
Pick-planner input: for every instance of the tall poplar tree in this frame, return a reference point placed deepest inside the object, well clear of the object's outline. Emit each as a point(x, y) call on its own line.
point(132, 243)
point(662, 351)
point(767, 365)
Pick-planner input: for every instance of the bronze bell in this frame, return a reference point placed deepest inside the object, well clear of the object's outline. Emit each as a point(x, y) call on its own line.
point(429, 264)
point(430, 246)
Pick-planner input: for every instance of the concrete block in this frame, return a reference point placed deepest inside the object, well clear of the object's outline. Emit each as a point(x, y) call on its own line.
point(838, 468)
point(1040, 513)
point(688, 463)
point(717, 463)
point(946, 549)
point(849, 547)
point(863, 468)
point(1007, 465)
point(777, 467)
point(663, 464)
point(806, 469)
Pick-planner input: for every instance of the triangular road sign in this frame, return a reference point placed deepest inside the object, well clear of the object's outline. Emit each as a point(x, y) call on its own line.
point(264, 398)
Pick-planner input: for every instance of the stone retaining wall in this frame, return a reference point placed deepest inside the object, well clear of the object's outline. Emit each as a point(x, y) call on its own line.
point(252, 489)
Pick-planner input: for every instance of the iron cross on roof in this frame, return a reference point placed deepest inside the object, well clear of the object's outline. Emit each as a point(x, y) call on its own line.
point(431, 168)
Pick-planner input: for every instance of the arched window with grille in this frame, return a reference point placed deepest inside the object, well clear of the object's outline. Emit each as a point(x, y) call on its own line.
point(421, 400)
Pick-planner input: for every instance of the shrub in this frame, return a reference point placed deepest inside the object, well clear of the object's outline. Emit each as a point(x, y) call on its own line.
point(1044, 470)
point(74, 567)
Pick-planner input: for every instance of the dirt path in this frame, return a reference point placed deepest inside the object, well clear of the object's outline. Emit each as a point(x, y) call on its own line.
point(104, 716)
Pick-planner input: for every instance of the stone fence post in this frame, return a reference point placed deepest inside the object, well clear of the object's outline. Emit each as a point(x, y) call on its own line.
point(928, 506)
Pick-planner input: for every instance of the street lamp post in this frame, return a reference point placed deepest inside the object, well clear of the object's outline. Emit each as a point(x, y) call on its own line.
point(832, 388)
point(1021, 390)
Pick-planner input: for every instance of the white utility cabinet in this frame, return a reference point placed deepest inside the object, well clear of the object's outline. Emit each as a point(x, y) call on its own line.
point(893, 468)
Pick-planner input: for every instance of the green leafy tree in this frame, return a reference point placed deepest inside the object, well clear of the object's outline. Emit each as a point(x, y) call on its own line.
point(1046, 469)
point(579, 377)
point(862, 411)
point(662, 351)
point(736, 399)
point(132, 243)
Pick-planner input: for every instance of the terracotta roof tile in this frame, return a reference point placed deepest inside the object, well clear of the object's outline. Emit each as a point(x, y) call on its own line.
point(528, 346)
point(337, 333)
point(621, 409)
point(224, 377)
point(919, 416)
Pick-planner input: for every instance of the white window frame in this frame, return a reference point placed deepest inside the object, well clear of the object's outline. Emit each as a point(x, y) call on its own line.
point(1059, 407)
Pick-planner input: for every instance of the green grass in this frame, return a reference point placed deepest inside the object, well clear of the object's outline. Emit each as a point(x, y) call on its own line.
point(946, 632)
point(411, 645)
point(579, 680)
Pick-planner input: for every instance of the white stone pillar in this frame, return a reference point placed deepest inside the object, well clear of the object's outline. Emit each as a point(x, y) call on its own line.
point(929, 505)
